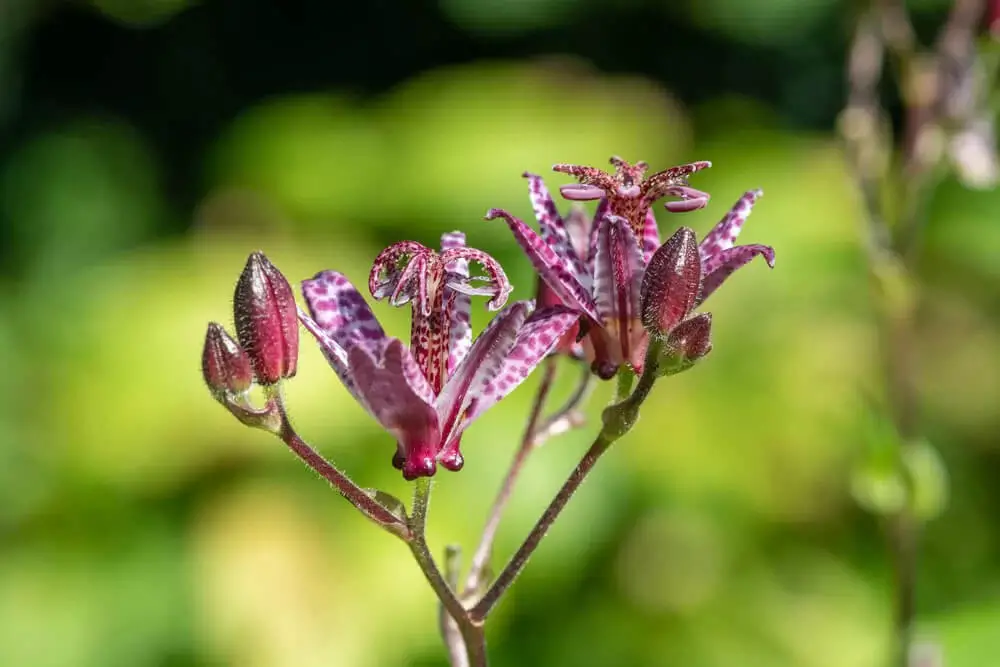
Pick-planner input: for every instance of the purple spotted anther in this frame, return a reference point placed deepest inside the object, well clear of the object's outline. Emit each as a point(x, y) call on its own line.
point(427, 394)
point(603, 279)
point(266, 320)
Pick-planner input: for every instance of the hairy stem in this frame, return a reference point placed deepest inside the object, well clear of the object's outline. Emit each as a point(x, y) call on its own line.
point(338, 480)
point(552, 512)
point(472, 632)
point(481, 557)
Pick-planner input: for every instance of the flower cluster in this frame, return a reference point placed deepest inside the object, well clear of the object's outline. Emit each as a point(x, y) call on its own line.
point(613, 270)
point(606, 288)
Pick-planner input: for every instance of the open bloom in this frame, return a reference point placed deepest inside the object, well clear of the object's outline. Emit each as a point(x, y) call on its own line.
point(427, 394)
point(603, 280)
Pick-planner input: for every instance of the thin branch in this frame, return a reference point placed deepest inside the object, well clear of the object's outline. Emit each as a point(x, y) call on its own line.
point(481, 556)
point(338, 480)
point(552, 512)
point(449, 629)
point(471, 631)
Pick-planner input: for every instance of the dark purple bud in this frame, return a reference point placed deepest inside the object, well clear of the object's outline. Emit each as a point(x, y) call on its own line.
point(671, 283)
point(266, 320)
point(224, 364)
point(689, 341)
point(692, 339)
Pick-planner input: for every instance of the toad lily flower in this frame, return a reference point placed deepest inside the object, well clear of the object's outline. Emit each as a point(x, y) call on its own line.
point(603, 281)
point(427, 394)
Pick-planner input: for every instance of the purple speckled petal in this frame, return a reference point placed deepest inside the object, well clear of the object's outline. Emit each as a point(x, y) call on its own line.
point(650, 236)
point(723, 235)
point(618, 271)
point(552, 268)
point(721, 265)
point(335, 355)
point(384, 374)
point(535, 339)
point(484, 361)
point(457, 302)
point(553, 228)
point(339, 310)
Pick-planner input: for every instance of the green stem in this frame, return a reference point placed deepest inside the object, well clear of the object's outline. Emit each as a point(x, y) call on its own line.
point(472, 633)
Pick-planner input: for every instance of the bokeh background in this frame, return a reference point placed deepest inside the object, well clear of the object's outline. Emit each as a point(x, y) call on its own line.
point(147, 146)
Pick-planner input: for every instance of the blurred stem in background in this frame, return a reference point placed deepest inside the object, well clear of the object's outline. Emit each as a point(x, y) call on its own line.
point(943, 100)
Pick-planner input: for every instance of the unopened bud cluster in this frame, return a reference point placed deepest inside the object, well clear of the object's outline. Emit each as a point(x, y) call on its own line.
point(266, 347)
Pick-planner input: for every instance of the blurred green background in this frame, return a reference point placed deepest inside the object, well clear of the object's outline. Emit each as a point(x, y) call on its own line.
point(147, 146)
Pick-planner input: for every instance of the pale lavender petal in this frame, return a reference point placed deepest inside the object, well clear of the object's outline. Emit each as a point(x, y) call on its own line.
point(540, 333)
point(618, 271)
point(484, 360)
point(457, 302)
point(650, 236)
point(603, 210)
point(552, 227)
point(723, 235)
point(721, 265)
point(579, 192)
point(552, 268)
point(384, 375)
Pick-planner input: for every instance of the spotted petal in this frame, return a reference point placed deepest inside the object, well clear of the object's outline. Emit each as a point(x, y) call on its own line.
point(618, 270)
point(552, 227)
point(720, 266)
point(457, 303)
point(339, 319)
point(484, 361)
point(535, 339)
point(388, 379)
point(550, 266)
point(723, 235)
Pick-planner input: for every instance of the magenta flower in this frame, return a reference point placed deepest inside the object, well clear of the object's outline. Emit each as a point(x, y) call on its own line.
point(427, 394)
point(603, 280)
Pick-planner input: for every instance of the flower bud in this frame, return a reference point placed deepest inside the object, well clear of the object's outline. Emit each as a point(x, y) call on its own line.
point(224, 364)
point(671, 283)
point(688, 342)
point(266, 320)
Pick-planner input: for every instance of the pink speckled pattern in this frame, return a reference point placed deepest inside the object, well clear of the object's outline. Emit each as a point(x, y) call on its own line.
point(618, 270)
point(339, 319)
point(394, 273)
point(550, 266)
point(482, 363)
point(494, 283)
point(539, 335)
point(457, 304)
point(552, 227)
point(719, 256)
point(630, 193)
point(396, 405)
